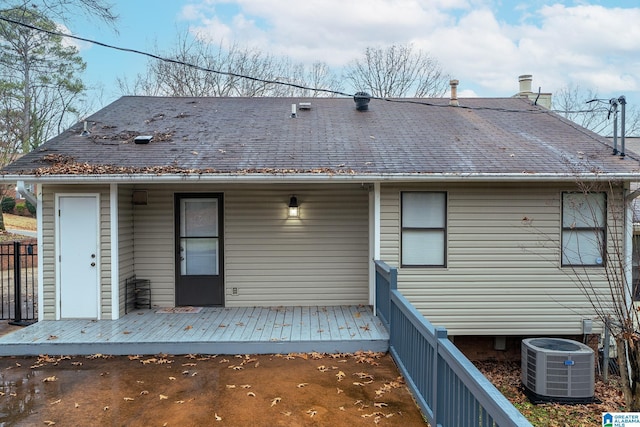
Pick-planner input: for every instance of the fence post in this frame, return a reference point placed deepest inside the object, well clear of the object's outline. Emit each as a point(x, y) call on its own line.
point(438, 384)
point(17, 288)
point(393, 279)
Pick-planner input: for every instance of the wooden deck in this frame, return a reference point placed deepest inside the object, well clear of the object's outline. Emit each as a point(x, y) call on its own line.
point(247, 330)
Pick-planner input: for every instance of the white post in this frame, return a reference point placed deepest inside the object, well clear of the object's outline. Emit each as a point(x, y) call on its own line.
point(115, 264)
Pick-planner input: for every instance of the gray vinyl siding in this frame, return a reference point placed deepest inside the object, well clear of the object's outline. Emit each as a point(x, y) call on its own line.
point(49, 249)
point(322, 258)
point(126, 259)
point(153, 232)
point(503, 274)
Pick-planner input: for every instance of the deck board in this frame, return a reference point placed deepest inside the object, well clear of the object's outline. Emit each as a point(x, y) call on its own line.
point(214, 330)
point(287, 331)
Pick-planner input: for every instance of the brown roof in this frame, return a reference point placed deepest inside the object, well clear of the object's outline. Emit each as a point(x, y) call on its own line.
point(258, 135)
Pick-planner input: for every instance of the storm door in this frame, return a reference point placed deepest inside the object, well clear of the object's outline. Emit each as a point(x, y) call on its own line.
point(199, 258)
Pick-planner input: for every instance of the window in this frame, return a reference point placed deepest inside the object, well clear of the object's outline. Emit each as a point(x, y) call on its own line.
point(583, 228)
point(423, 229)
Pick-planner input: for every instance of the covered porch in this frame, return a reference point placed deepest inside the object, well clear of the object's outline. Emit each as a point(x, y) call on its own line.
point(207, 330)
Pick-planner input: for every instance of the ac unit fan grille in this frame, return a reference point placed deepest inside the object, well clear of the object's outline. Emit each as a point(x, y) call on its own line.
point(531, 369)
point(557, 376)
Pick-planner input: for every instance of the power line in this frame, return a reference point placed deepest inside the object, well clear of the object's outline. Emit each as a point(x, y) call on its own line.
point(170, 60)
point(267, 81)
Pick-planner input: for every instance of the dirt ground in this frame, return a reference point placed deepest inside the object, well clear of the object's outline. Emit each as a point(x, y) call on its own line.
point(244, 390)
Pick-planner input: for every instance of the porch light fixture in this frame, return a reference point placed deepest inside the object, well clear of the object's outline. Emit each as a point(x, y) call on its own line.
point(294, 208)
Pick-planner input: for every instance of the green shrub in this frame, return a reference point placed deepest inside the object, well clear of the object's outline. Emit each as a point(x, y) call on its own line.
point(20, 209)
point(30, 208)
point(8, 204)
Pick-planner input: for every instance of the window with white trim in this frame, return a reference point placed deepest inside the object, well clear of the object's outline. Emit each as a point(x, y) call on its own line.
point(424, 229)
point(583, 229)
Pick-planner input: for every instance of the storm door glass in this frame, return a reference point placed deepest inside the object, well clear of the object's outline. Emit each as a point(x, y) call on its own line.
point(199, 237)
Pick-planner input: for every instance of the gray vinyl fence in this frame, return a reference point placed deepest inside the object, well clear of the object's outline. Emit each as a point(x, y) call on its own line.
point(449, 389)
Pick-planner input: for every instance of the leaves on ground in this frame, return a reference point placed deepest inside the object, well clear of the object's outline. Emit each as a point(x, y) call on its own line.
point(506, 377)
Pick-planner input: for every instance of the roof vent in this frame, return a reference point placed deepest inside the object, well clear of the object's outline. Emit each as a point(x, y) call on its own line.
point(143, 139)
point(85, 130)
point(304, 105)
point(362, 101)
point(454, 93)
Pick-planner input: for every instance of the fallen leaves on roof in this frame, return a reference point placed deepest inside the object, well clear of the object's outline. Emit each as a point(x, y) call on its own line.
point(128, 136)
point(66, 165)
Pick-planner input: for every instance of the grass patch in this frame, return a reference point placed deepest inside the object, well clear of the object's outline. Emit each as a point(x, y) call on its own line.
point(19, 222)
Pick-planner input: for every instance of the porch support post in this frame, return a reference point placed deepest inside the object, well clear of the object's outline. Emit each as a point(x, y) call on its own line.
point(40, 253)
point(374, 238)
point(115, 264)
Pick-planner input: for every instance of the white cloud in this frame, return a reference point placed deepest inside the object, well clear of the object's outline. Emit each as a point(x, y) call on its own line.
point(592, 46)
point(334, 31)
point(70, 42)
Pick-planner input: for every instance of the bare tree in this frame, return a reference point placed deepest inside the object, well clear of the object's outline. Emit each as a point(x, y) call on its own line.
point(317, 76)
point(197, 68)
point(584, 107)
point(397, 71)
point(598, 224)
point(64, 9)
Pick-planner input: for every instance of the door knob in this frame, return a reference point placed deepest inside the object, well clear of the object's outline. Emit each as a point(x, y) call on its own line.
point(93, 264)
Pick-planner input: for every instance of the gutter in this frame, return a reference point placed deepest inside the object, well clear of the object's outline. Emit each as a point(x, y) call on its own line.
point(311, 178)
point(31, 198)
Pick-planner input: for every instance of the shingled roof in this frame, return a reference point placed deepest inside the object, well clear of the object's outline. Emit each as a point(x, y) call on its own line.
point(256, 136)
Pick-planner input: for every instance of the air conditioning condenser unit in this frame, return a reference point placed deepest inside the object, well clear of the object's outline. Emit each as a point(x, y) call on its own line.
point(558, 369)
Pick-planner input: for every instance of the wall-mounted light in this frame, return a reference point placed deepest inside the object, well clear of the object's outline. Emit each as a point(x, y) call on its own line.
point(294, 208)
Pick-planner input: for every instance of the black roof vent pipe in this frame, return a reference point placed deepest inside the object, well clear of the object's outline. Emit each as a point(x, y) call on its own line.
point(362, 101)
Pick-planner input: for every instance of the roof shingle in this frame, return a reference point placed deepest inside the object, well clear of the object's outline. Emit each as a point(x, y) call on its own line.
point(257, 135)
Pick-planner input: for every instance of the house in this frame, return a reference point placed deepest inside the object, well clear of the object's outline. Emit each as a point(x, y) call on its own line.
point(237, 202)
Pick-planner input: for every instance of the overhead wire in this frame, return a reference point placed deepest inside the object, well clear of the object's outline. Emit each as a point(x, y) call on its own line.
point(169, 60)
point(273, 82)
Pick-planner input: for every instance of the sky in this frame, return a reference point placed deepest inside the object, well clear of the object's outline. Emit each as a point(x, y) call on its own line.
point(485, 44)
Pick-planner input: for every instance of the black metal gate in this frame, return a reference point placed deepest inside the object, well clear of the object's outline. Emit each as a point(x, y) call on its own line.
point(19, 282)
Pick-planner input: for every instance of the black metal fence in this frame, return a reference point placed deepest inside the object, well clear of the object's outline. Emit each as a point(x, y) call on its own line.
point(19, 282)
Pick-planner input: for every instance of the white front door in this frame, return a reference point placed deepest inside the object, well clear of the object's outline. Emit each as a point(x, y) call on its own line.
point(78, 256)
